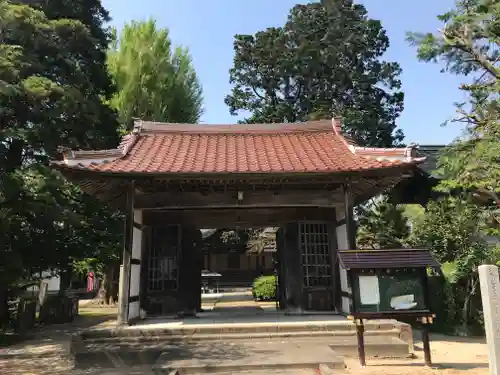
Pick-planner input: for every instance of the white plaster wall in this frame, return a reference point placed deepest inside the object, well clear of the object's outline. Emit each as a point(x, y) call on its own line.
point(135, 269)
point(343, 244)
point(120, 290)
point(54, 283)
point(340, 212)
point(135, 279)
point(133, 310)
point(137, 244)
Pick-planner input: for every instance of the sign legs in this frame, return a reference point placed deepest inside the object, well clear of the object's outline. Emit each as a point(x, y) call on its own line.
point(426, 343)
point(360, 330)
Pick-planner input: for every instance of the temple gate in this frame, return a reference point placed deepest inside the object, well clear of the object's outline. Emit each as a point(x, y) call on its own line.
point(172, 180)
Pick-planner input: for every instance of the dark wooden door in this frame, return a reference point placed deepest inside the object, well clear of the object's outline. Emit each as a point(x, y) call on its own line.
point(162, 269)
point(317, 265)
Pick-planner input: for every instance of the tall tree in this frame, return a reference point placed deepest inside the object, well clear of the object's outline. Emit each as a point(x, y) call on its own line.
point(325, 60)
point(381, 225)
point(468, 45)
point(53, 82)
point(155, 81)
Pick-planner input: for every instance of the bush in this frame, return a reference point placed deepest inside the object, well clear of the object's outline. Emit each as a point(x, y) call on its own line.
point(447, 302)
point(264, 288)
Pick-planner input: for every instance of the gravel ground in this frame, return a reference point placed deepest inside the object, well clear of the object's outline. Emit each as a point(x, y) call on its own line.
point(48, 355)
point(450, 355)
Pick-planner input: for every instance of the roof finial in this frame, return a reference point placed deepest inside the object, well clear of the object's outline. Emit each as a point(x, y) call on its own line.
point(137, 125)
point(410, 151)
point(337, 124)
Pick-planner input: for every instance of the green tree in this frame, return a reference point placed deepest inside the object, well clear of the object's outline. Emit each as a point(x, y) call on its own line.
point(453, 229)
point(468, 45)
point(155, 81)
point(325, 60)
point(381, 225)
point(53, 81)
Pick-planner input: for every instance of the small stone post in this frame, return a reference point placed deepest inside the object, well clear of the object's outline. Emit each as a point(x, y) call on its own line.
point(490, 294)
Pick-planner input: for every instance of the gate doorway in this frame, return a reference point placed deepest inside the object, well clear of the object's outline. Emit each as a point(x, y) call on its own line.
point(301, 256)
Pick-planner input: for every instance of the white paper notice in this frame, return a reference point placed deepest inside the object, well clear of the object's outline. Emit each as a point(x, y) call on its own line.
point(368, 290)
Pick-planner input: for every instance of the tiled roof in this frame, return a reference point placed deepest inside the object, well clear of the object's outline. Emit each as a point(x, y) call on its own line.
point(315, 146)
point(391, 258)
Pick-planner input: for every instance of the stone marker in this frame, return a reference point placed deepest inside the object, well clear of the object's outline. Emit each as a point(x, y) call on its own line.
point(490, 294)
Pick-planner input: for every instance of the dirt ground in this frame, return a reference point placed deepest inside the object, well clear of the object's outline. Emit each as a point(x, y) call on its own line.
point(47, 354)
point(450, 356)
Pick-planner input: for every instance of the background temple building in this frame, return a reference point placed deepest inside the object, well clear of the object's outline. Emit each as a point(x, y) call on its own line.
point(173, 180)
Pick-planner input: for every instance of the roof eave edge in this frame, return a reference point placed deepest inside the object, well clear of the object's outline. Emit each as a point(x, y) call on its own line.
point(73, 157)
point(407, 154)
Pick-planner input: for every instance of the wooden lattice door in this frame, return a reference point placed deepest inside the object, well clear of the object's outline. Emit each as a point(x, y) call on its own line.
point(317, 265)
point(163, 268)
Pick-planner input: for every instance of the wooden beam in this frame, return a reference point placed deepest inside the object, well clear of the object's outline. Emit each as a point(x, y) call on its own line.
point(242, 217)
point(244, 199)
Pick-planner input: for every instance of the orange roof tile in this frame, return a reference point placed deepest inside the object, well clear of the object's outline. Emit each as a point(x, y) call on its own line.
point(316, 146)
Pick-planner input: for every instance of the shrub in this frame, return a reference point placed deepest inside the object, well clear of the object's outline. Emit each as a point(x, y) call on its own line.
point(264, 288)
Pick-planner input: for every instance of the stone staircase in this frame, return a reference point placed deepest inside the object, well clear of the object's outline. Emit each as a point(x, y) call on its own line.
point(195, 346)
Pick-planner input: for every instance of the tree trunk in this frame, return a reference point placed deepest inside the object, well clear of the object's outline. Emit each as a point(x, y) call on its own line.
point(112, 291)
point(107, 294)
point(4, 307)
point(103, 286)
point(465, 308)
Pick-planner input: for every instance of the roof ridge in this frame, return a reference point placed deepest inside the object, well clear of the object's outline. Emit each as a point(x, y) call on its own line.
point(271, 128)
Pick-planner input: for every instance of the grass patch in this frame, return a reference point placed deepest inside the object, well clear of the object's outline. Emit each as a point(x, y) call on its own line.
point(100, 311)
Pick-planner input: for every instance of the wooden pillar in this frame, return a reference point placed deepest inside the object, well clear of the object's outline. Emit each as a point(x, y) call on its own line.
point(190, 271)
point(293, 269)
point(349, 218)
point(124, 287)
point(280, 268)
point(145, 245)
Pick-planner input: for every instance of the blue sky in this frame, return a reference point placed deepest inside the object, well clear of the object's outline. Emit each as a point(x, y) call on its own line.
point(207, 28)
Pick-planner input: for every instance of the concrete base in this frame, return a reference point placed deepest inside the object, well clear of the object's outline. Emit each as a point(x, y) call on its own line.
point(248, 356)
point(273, 336)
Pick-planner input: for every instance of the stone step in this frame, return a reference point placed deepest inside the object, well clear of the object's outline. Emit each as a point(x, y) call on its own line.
point(172, 329)
point(172, 339)
point(140, 353)
point(249, 356)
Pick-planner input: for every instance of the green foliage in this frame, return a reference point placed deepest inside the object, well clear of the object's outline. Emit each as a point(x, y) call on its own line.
point(468, 45)
point(325, 60)
point(453, 229)
point(414, 213)
point(155, 81)
point(226, 239)
point(53, 81)
point(444, 304)
point(381, 225)
point(264, 288)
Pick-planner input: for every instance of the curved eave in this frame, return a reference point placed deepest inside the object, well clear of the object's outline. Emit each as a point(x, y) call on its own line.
point(111, 187)
point(97, 174)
